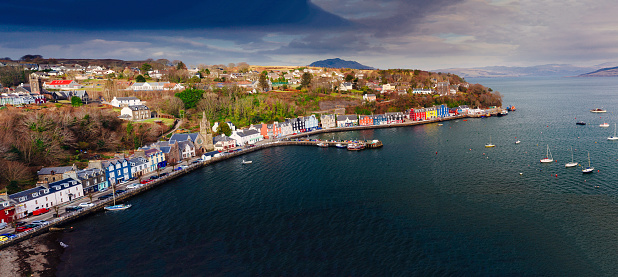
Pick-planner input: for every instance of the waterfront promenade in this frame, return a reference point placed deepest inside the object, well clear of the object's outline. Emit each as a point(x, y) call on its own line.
point(293, 140)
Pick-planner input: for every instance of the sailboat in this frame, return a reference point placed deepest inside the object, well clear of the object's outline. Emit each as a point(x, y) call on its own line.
point(588, 169)
point(572, 163)
point(246, 162)
point(614, 137)
point(489, 145)
point(548, 158)
point(119, 206)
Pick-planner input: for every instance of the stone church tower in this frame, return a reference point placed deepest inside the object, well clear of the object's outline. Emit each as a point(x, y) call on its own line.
point(35, 83)
point(204, 140)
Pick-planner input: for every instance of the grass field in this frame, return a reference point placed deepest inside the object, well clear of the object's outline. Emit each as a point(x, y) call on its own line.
point(167, 121)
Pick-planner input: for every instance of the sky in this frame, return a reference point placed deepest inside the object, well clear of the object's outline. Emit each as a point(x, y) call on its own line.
point(415, 34)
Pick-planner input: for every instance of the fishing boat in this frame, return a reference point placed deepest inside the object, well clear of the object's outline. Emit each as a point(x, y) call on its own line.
point(503, 113)
point(581, 123)
point(511, 109)
point(489, 144)
point(340, 145)
point(322, 144)
point(356, 146)
point(572, 163)
point(614, 137)
point(116, 207)
point(604, 125)
point(246, 162)
point(548, 158)
point(598, 110)
point(588, 169)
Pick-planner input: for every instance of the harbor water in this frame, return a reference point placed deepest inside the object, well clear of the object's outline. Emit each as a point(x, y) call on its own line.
point(432, 201)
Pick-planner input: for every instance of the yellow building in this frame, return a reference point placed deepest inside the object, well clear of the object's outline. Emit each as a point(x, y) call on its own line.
point(431, 113)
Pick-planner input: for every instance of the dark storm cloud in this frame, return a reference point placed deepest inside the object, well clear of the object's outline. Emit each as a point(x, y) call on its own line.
point(163, 14)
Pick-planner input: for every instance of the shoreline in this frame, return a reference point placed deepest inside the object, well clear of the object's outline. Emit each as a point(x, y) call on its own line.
point(37, 256)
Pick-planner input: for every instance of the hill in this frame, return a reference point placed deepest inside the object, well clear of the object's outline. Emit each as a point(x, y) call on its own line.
point(339, 63)
point(547, 70)
point(603, 72)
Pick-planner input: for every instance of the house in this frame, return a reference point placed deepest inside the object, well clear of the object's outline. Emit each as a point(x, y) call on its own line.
point(170, 151)
point(387, 88)
point(423, 91)
point(418, 114)
point(116, 170)
point(47, 196)
point(345, 86)
point(311, 123)
point(215, 127)
point(347, 120)
point(62, 85)
point(135, 112)
point(394, 117)
point(139, 166)
point(443, 87)
point(148, 86)
point(432, 112)
point(173, 86)
point(328, 121)
point(286, 129)
point(52, 174)
point(223, 142)
point(82, 94)
point(298, 124)
point(369, 97)
point(246, 136)
point(443, 111)
point(365, 120)
point(92, 179)
point(125, 101)
point(187, 149)
point(7, 208)
point(155, 159)
point(380, 119)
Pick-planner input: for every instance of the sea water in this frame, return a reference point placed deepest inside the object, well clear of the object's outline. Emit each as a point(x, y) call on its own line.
point(432, 201)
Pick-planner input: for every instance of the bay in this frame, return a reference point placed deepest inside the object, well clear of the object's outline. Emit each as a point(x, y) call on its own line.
point(432, 201)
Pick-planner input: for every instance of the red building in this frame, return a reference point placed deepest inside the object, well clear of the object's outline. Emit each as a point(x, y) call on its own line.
point(7, 209)
point(418, 114)
point(365, 120)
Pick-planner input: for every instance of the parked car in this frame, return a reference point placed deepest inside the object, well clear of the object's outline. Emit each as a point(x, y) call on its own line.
point(145, 182)
point(40, 222)
point(134, 186)
point(195, 162)
point(163, 174)
point(86, 205)
point(22, 229)
point(40, 211)
point(72, 208)
point(103, 197)
point(154, 177)
point(119, 191)
point(3, 225)
point(4, 237)
point(20, 223)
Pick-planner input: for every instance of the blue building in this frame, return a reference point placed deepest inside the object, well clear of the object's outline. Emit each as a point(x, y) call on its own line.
point(379, 119)
point(117, 170)
point(442, 111)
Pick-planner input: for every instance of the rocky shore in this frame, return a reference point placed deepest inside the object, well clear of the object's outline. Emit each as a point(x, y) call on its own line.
point(38, 256)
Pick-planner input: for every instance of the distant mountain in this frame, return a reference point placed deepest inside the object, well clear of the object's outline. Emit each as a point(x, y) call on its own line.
point(548, 70)
point(603, 72)
point(339, 63)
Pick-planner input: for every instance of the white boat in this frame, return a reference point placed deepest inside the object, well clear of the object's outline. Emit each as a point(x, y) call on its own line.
point(548, 158)
point(489, 144)
point(598, 111)
point(246, 162)
point(116, 207)
point(614, 137)
point(322, 144)
point(517, 142)
point(572, 163)
point(604, 125)
point(340, 145)
point(588, 169)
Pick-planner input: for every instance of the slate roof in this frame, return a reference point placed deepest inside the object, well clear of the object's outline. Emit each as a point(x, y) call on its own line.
point(29, 194)
point(347, 116)
point(88, 173)
point(56, 170)
point(222, 138)
point(183, 137)
point(138, 107)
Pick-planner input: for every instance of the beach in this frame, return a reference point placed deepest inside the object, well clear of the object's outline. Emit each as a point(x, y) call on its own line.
point(38, 256)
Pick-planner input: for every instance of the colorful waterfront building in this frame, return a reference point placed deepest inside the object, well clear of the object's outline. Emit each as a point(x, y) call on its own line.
point(7, 208)
point(117, 170)
point(46, 196)
point(394, 117)
point(443, 111)
point(311, 123)
point(92, 179)
point(365, 120)
point(328, 121)
point(379, 119)
point(432, 113)
point(347, 120)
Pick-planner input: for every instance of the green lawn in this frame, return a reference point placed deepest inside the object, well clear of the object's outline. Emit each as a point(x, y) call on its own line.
point(166, 121)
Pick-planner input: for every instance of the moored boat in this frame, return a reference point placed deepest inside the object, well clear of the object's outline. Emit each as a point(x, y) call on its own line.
point(340, 145)
point(588, 169)
point(246, 162)
point(356, 146)
point(503, 113)
point(118, 207)
point(572, 163)
point(322, 144)
point(598, 110)
point(548, 158)
point(580, 123)
point(604, 125)
point(614, 137)
point(511, 109)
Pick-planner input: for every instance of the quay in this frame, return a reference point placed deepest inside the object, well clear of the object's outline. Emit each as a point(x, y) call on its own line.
point(292, 140)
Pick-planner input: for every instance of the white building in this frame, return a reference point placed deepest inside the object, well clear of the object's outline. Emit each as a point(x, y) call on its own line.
point(423, 91)
point(246, 136)
point(125, 101)
point(47, 196)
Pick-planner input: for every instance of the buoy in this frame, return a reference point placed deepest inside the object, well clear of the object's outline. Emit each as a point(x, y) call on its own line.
point(556, 175)
point(470, 149)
